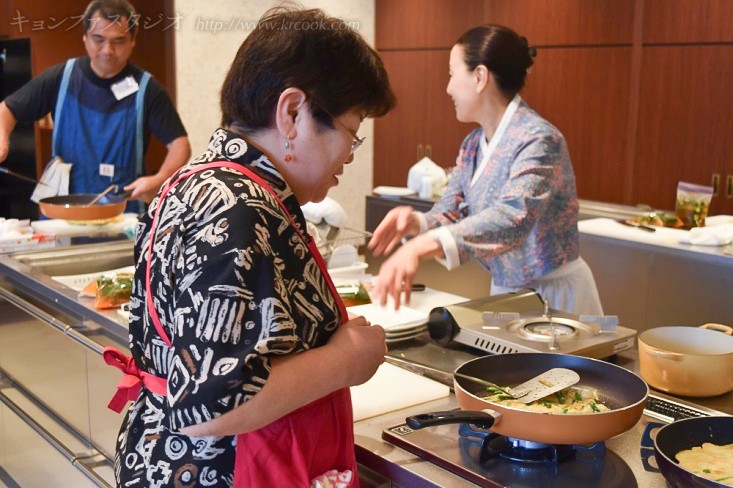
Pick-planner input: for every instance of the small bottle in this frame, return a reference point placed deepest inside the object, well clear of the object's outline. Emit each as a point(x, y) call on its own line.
point(426, 188)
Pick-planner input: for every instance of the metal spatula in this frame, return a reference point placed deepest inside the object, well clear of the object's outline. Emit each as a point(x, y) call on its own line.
point(538, 387)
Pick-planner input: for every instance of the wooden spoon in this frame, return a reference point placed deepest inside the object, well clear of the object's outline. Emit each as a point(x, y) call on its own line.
point(96, 199)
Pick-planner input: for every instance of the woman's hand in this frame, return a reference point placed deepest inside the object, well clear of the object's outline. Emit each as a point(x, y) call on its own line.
point(398, 223)
point(398, 272)
point(361, 348)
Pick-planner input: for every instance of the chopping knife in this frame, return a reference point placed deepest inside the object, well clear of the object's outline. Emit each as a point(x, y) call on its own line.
point(538, 387)
point(18, 175)
point(637, 225)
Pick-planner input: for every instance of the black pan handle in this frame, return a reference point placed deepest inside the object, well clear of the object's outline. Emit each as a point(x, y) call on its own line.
point(482, 419)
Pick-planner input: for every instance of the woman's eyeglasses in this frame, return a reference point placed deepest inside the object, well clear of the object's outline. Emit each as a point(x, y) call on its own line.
point(357, 142)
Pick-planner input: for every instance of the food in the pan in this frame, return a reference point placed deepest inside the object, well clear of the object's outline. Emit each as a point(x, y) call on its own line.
point(710, 461)
point(95, 222)
point(569, 401)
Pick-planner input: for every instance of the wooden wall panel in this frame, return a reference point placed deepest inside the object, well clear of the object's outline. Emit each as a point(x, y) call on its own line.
point(688, 21)
point(398, 133)
point(685, 122)
point(5, 18)
point(585, 93)
point(565, 22)
point(54, 29)
point(424, 115)
point(410, 24)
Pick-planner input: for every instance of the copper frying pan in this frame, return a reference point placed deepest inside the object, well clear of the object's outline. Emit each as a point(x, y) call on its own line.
point(622, 391)
point(76, 206)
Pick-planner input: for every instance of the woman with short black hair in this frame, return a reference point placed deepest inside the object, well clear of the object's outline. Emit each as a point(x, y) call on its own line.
point(237, 334)
point(511, 202)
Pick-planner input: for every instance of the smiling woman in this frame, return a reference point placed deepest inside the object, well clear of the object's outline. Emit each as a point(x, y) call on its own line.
point(240, 337)
point(511, 203)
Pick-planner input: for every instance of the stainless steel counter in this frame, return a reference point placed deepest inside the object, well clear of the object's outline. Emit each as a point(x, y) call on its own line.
point(50, 352)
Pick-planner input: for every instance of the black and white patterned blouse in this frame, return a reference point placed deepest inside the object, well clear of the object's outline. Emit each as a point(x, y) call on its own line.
point(234, 285)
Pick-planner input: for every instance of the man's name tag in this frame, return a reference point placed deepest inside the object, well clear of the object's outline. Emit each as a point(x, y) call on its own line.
point(125, 87)
point(107, 170)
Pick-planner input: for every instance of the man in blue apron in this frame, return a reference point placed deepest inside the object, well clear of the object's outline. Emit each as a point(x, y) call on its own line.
point(104, 109)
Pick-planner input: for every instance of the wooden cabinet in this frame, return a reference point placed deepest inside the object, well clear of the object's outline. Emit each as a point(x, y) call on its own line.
point(585, 95)
point(565, 22)
point(684, 123)
point(4, 18)
point(687, 21)
point(410, 24)
point(424, 121)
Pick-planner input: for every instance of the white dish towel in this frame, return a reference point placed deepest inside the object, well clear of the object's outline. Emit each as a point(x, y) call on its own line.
point(54, 180)
point(716, 235)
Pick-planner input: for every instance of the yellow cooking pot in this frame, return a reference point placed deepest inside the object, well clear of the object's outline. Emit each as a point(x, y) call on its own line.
point(688, 361)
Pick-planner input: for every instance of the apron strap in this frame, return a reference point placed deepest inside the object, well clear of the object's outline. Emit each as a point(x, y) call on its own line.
point(129, 386)
point(139, 112)
point(60, 103)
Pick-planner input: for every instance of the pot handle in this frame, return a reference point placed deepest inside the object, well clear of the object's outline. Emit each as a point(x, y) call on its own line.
point(483, 419)
point(719, 327)
point(675, 356)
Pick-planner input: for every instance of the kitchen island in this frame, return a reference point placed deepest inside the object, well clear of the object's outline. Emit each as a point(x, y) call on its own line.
point(650, 279)
point(61, 411)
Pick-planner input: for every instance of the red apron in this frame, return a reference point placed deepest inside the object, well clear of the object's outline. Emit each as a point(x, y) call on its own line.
point(290, 451)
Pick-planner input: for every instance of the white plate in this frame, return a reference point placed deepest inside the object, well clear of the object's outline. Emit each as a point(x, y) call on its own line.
point(390, 340)
point(406, 333)
point(357, 268)
point(393, 191)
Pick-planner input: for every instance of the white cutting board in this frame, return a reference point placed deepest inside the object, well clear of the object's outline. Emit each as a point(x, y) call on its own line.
point(393, 388)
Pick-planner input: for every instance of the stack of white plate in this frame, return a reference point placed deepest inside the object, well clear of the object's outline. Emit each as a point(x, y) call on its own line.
point(399, 325)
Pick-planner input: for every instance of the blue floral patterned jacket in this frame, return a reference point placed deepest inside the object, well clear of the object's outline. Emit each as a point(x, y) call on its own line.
point(519, 220)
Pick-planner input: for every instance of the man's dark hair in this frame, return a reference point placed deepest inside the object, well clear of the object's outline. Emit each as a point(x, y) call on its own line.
point(111, 10)
point(306, 49)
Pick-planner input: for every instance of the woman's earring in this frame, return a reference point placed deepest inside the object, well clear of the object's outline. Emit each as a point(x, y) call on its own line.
point(288, 156)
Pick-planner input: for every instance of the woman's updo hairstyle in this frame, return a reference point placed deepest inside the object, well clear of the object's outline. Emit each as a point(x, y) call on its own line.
point(504, 52)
